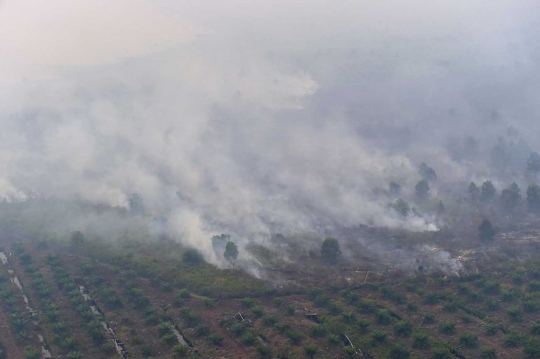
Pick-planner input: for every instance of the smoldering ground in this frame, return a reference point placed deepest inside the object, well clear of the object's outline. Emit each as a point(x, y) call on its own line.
point(254, 118)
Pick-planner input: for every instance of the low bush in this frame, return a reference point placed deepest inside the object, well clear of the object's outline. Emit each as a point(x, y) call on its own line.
point(447, 327)
point(468, 340)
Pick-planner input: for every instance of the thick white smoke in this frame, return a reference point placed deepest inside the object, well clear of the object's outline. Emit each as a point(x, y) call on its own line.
point(253, 118)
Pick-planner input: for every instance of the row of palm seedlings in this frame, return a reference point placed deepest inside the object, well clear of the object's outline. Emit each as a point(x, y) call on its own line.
point(55, 324)
point(94, 327)
point(20, 317)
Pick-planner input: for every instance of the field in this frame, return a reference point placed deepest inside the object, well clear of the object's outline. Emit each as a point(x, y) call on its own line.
point(146, 300)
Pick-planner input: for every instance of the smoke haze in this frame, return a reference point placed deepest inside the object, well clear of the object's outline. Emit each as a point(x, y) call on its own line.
point(257, 117)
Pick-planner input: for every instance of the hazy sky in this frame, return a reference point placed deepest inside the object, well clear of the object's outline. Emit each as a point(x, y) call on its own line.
point(264, 115)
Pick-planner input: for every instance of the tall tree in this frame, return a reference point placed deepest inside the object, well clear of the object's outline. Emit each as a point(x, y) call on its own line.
point(401, 207)
point(485, 231)
point(422, 190)
point(474, 191)
point(510, 197)
point(395, 189)
point(330, 251)
point(487, 192)
point(231, 251)
point(427, 172)
point(136, 205)
point(533, 198)
point(533, 163)
point(440, 208)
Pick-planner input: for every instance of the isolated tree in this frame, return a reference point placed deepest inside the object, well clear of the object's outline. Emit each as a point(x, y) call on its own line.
point(427, 172)
point(485, 231)
point(440, 208)
point(487, 192)
point(422, 190)
point(510, 197)
point(193, 257)
point(77, 238)
point(231, 251)
point(136, 205)
point(219, 242)
point(533, 198)
point(470, 147)
point(474, 191)
point(401, 207)
point(395, 189)
point(330, 251)
point(533, 163)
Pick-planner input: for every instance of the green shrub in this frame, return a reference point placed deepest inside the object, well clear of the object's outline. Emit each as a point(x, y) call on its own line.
point(237, 329)
point(421, 340)
point(532, 349)
point(431, 298)
point(534, 286)
point(333, 339)
point(411, 307)
point(468, 340)
point(491, 329)
point(512, 340)
point(216, 339)
point(491, 287)
point(248, 302)
point(74, 355)
point(264, 351)
point(366, 307)
point(193, 256)
point(31, 353)
point(475, 297)
point(310, 350)
point(334, 325)
point(447, 327)
point(170, 339)
point(530, 305)
point(378, 336)
point(180, 350)
point(535, 329)
point(362, 325)
point(333, 307)
point(108, 348)
point(258, 311)
point(248, 339)
point(514, 313)
point(463, 289)
point(208, 303)
point(294, 336)
point(403, 328)
point(348, 318)
point(488, 353)
point(441, 352)
point(317, 331)
point(384, 317)
point(184, 294)
point(281, 327)
point(269, 320)
point(291, 308)
point(152, 319)
point(492, 305)
point(201, 330)
point(148, 350)
point(450, 307)
point(278, 301)
point(508, 296)
point(398, 351)
point(164, 329)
